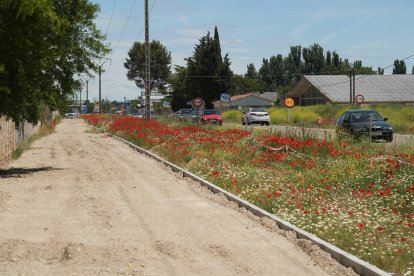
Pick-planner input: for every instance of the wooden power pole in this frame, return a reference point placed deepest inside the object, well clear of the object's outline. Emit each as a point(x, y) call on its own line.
point(147, 66)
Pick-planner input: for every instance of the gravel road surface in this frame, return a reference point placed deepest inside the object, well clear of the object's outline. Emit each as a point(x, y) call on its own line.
point(83, 203)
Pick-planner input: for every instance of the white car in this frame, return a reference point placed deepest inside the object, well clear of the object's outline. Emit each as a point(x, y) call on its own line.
point(70, 115)
point(256, 116)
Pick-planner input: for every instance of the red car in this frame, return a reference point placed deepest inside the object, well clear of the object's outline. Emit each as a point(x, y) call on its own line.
point(211, 116)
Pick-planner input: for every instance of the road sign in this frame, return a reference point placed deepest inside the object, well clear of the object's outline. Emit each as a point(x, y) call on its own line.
point(198, 103)
point(225, 97)
point(359, 98)
point(289, 102)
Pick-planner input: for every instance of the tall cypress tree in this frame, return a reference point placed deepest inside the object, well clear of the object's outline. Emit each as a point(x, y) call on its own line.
point(208, 74)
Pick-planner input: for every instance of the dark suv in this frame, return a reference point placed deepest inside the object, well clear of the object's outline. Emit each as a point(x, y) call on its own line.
point(364, 123)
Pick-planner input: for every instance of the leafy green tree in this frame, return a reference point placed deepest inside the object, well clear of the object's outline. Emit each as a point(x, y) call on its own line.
point(294, 64)
point(399, 67)
point(314, 61)
point(241, 85)
point(181, 94)
point(160, 65)
point(251, 72)
point(208, 74)
point(362, 70)
point(45, 46)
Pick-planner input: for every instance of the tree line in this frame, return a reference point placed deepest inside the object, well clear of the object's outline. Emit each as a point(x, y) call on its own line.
point(207, 74)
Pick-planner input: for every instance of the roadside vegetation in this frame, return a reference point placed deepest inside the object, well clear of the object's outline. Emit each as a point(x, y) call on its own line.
point(44, 130)
point(357, 196)
point(400, 117)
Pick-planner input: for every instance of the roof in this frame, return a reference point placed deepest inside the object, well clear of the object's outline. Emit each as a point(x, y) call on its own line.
point(267, 96)
point(374, 88)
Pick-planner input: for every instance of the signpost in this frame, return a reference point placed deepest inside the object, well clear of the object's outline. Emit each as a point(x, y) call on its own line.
point(359, 99)
point(197, 104)
point(289, 103)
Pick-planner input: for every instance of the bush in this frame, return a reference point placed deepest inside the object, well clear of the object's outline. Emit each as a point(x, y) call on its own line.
point(232, 116)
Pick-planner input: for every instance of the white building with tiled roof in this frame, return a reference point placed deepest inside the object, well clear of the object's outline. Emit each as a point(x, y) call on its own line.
point(322, 89)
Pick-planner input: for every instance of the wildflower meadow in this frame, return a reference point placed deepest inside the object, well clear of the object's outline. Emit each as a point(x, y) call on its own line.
point(356, 196)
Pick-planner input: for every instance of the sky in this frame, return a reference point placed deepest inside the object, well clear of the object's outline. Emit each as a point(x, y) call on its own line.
point(377, 32)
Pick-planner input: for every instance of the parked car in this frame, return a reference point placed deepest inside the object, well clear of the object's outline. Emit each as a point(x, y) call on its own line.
point(70, 115)
point(184, 114)
point(360, 123)
point(256, 116)
point(211, 116)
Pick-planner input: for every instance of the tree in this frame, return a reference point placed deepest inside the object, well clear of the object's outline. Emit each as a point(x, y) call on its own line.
point(314, 61)
point(412, 71)
point(181, 94)
point(160, 65)
point(294, 64)
point(251, 72)
point(265, 76)
point(399, 67)
point(241, 85)
point(45, 46)
point(208, 74)
point(362, 70)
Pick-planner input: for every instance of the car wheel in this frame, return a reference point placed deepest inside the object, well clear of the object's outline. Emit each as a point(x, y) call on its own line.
point(267, 123)
point(243, 123)
point(248, 123)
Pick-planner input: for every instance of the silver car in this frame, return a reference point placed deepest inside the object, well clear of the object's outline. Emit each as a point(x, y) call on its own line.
point(256, 116)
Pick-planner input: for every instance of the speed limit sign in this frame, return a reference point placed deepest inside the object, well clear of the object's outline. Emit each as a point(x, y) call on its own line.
point(359, 99)
point(198, 103)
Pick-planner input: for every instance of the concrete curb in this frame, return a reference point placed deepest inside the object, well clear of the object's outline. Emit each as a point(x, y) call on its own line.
point(348, 260)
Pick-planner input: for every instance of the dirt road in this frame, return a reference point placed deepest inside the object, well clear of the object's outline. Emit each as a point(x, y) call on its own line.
point(82, 203)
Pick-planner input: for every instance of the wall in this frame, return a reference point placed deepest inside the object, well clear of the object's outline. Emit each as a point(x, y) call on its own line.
point(10, 137)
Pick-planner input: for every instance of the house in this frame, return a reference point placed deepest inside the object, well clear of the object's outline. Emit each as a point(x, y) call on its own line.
point(254, 99)
point(324, 89)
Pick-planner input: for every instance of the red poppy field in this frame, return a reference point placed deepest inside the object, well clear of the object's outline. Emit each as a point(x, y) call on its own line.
point(353, 195)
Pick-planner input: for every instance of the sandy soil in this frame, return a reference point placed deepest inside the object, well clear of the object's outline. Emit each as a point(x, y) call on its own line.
point(82, 203)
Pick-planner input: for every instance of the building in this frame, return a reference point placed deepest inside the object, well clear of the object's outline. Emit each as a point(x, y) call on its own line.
point(374, 89)
point(254, 99)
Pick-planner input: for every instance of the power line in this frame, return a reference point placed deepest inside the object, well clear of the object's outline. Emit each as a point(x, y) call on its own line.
point(110, 19)
point(126, 23)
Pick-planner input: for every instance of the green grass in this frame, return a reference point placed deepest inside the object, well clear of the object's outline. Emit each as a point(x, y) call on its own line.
point(45, 129)
point(400, 117)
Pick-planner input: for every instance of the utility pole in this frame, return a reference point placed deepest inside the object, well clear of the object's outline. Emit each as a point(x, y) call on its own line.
point(100, 73)
point(352, 85)
point(147, 66)
point(87, 84)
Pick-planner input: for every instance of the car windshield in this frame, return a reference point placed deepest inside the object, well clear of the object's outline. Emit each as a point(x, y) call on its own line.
point(365, 116)
point(258, 110)
point(210, 111)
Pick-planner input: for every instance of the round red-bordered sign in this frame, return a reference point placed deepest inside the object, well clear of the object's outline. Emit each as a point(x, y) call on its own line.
point(359, 98)
point(198, 103)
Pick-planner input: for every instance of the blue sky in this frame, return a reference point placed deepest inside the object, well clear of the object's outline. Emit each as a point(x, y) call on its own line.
point(374, 31)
